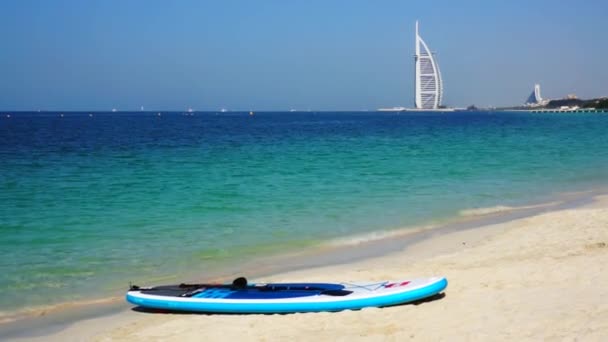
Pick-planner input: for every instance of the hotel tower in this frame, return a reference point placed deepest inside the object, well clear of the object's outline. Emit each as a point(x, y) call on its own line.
point(429, 86)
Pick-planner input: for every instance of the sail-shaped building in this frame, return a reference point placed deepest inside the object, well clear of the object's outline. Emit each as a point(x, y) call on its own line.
point(535, 98)
point(429, 86)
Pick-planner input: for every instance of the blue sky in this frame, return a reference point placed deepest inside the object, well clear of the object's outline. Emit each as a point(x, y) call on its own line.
point(277, 55)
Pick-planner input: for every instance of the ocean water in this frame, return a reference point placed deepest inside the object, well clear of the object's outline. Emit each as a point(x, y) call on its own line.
point(88, 204)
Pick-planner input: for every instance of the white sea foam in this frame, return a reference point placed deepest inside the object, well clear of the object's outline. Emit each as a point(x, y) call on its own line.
point(358, 239)
point(500, 209)
point(466, 214)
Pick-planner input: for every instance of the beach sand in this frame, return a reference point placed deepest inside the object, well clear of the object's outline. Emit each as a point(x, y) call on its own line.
point(542, 277)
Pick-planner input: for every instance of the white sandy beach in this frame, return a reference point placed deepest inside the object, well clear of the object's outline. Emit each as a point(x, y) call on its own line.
point(537, 278)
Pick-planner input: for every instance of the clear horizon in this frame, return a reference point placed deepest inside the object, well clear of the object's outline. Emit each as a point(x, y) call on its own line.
point(68, 55)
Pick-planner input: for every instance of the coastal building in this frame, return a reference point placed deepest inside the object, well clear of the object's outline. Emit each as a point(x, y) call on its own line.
point(535, 99)
point(429, 85)
point(428, 82)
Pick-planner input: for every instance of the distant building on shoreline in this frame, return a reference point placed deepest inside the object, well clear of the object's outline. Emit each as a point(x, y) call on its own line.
point(428, 92)
point(535, 99)
point(568, 104)
point(429, 85)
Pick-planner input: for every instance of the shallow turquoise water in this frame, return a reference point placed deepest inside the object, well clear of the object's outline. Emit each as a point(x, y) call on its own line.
point(89, 203)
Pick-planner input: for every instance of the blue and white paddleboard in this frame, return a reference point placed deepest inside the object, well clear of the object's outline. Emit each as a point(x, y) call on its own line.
point(241, 297)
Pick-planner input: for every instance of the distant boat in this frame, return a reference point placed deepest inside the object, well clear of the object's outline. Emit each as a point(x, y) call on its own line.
point(392, 109)
point(190, 110)
point(113, 110)
point(223, 110)
point(403, 109)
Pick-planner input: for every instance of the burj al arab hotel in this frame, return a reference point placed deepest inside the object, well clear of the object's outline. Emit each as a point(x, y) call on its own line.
point(429, 86)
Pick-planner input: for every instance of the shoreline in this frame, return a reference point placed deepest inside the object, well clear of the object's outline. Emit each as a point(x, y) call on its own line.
point(540, 277)
point(55, 320)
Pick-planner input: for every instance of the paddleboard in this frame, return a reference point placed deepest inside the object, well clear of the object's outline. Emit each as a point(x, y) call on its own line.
point(241, 297)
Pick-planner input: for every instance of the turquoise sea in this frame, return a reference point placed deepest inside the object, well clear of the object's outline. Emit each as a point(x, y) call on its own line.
point(89, 203)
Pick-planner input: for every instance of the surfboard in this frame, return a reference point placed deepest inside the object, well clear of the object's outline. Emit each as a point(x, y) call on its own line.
point(240, 297)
